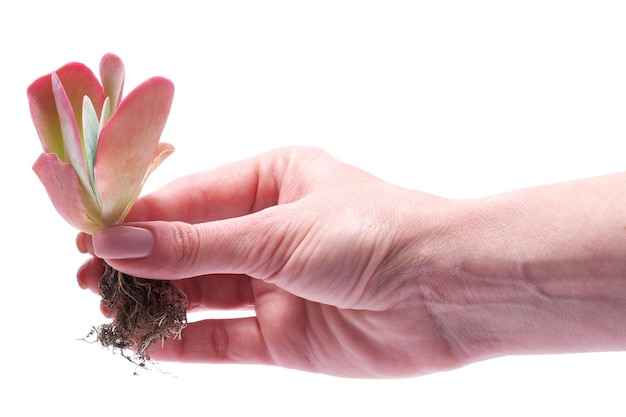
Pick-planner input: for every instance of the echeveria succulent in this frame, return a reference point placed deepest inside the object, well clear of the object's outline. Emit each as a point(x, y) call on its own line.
point(99, 149)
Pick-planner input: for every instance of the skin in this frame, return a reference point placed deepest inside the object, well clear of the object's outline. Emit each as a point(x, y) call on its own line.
point(351, 276)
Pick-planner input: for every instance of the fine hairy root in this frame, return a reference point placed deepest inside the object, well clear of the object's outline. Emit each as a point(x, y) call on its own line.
point(144, 311)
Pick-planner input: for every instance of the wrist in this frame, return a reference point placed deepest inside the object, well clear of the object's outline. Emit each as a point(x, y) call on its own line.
point(533, 271)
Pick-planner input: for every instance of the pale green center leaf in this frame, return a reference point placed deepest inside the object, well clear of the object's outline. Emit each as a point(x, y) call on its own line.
point(91, 132)
point(107, 112)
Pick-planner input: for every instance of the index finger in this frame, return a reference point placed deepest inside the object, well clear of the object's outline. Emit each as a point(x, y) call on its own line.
point(231, 190)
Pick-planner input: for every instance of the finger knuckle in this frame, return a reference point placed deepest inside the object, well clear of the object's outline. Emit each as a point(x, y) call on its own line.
point(185, 245)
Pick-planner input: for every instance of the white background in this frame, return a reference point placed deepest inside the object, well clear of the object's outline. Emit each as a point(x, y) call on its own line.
point(458, 98)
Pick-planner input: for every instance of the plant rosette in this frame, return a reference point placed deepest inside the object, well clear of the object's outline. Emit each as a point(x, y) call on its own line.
point(98, 150)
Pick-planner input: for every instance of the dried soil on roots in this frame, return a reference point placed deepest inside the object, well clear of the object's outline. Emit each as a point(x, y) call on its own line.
point(144, 312)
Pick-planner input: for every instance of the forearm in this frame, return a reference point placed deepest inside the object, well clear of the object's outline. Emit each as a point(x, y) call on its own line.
point(539, 270)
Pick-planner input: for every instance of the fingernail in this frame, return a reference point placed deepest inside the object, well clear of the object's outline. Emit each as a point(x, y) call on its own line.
point(123, 242)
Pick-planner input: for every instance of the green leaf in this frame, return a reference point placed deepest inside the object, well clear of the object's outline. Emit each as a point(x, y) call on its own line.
point(91, 132)
point(107, 112)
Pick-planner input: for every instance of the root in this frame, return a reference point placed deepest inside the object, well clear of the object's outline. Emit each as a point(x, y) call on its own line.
point(144, 312)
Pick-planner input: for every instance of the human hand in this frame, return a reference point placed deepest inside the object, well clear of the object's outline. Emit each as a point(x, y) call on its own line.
point(328, 256)
point(351, 276)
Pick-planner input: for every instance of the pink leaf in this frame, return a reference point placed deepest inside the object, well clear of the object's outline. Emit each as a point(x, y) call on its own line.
point(43, 111)
point(64, 189)
point(127, 146)
point(71, 137)
point(162, 151)
point(112, 75)
point(77, 81)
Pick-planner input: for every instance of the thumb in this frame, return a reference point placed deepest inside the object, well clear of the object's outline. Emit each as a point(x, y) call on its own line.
point(174, 250)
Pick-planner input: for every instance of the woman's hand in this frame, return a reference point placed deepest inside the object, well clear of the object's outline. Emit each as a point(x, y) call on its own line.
point(327, 255)
point(351, 276)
